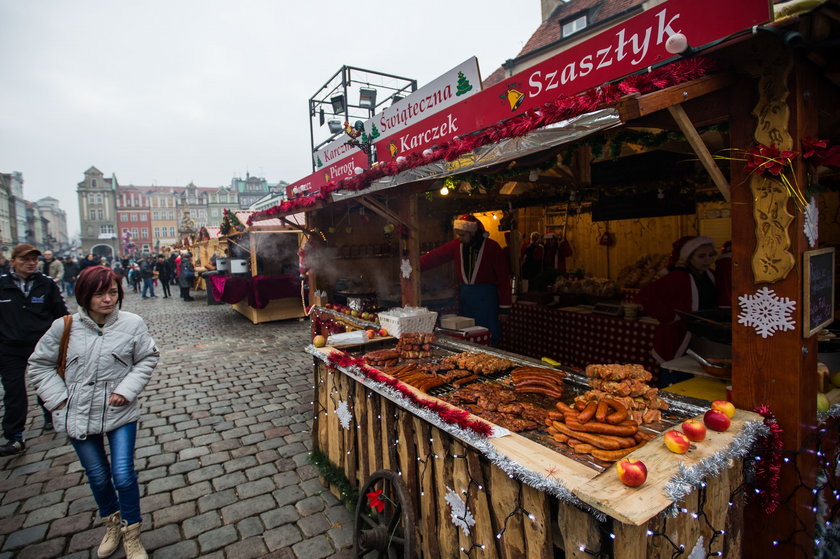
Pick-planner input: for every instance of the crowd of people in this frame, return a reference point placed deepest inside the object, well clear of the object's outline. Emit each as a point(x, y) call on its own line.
point(144, 274)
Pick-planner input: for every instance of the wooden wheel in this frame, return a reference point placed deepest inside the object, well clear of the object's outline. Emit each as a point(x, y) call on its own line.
point(389, 533)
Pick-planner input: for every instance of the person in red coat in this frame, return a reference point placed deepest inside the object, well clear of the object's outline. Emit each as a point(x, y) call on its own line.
point(481, 269)
point(723, 275)
point(689, 286)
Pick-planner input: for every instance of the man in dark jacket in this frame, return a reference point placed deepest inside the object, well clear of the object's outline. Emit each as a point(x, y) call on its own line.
point(29, 303)
point(165, 274)
point(147, 273)
point(71, 271)
point(186, 276)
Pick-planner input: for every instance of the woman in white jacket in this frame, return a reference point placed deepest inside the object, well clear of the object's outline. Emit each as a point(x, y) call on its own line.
point(110, 359)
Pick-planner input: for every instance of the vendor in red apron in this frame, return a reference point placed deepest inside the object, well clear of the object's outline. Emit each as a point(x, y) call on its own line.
point(480, 268)
point(689, 286)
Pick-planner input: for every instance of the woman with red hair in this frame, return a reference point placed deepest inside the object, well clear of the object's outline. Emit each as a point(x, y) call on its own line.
point(109, 361)
point(481, 269)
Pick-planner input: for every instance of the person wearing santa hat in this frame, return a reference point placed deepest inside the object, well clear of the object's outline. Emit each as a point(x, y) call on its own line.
point(689, 286)
point(481, 269)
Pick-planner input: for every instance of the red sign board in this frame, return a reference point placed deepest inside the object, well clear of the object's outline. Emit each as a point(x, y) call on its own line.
point(626, 48)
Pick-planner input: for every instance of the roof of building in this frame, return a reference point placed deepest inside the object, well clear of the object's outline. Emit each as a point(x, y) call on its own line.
point(549, 32)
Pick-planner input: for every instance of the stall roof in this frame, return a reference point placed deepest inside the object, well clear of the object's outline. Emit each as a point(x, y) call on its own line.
point(273, 224)
point(553, 135)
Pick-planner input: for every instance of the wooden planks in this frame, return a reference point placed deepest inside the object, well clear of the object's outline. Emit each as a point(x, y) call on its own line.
point(638, 505)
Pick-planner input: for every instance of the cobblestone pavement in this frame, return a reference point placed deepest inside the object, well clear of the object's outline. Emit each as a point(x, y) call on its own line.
point(221, 451)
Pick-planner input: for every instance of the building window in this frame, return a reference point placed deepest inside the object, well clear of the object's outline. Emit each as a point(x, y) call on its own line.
point(171, 231)
point(144, 233)
point(93, 183)
point(100, 214)
point(106, 229)
point(123, 217)
point(573, 26)
point(134, 232)
point(133, 217)
point(155, 215)
point(144, 216)
point(157, 232)
point(91, 214)
point(98, 198)
point(91, 198)
point(145, 248)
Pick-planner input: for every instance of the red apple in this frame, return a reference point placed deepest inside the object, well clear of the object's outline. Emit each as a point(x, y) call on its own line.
point(724, 406)
point(383, 332)
point(370, 334)
point(631, 472)
point(319, 341)
point(676, 442)
point(716, 420)
point(694, 430)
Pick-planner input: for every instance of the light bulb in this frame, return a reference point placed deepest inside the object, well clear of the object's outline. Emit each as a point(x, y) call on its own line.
point(532, 176)
point(444, 191)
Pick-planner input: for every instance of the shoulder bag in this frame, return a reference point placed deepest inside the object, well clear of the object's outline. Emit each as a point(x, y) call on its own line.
point(62, 347)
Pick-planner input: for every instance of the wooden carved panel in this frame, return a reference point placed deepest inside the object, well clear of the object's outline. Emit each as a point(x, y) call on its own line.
point(772, 260)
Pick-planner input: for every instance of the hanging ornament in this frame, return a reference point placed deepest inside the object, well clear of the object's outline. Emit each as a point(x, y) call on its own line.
point(405, 268)
point(344, 415)
point(811, 225)
point(766, 312)
point(461, 516)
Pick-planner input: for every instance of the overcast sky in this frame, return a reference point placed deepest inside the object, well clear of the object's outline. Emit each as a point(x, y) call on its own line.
point(171, 91)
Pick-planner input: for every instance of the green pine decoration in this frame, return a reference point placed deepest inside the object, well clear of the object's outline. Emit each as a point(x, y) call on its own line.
point(374, 132)
point(318, 162)
point(463, 86)
point(334, 475)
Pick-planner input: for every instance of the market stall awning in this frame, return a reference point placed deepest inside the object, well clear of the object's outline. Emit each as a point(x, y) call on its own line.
point(550, 136)
point(293, 221)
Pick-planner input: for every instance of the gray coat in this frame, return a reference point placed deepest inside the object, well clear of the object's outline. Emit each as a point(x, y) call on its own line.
point(118, 358)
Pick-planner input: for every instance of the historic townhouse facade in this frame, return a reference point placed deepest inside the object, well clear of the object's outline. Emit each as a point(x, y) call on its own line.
point(162, 204)
point(6, 221)
point(97, 213)
point(57, 238)
point(134, 217)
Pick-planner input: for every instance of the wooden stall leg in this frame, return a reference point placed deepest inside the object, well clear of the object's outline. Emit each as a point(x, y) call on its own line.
point(427, 531)
point(407, 457)
point(538, 536)
point(443, 473)
point(363, 454)
point(578, 528)
point(506, 493)
point(480, 506)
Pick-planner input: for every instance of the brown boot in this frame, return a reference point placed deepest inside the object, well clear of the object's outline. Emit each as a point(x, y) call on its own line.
point(111, 541)
point(131, 542)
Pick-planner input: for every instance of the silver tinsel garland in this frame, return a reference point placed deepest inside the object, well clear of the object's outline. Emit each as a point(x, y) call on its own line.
point(511, 467)
point(688, 478)
point(832, 413)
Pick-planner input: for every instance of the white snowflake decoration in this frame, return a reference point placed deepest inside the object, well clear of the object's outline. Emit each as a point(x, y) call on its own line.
point(766, 312)
point(461, 516)
point(698, 552)
point(344, 415)
point(811, 225)
point(405, 268)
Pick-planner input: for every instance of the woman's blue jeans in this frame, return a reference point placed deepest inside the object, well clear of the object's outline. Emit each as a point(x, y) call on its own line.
point(114, 485)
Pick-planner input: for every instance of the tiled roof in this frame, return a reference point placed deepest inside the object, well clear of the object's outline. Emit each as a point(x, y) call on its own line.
point(549, 31)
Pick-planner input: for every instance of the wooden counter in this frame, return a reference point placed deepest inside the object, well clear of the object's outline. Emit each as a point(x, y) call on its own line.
point(430, 459)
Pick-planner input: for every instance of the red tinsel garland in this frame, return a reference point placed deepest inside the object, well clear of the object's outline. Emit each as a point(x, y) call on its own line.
point(561, 108)
point(768, 461)
point(446, 413)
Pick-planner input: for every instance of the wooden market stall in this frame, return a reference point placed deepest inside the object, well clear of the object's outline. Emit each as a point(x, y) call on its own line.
point(262, 281)
point(510, 496)
point(205, 252)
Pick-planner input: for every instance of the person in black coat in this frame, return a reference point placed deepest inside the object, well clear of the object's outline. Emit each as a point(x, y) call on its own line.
point(71, 271)
point(165, 273)
point(186, 277)
point(29, 303)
